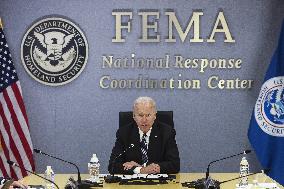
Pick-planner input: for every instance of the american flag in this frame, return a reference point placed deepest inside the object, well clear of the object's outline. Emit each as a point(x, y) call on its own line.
point(14, 128)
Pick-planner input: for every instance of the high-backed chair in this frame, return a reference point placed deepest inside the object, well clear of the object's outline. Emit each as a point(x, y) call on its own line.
point(166, 117)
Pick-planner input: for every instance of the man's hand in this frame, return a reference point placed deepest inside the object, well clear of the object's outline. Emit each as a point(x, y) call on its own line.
point(153, 168)
point(18, 184)
point(129, 165)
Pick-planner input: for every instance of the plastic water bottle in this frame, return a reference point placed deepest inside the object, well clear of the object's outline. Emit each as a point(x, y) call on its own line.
point(94, 168)
point(49, 174)
point(244, 171)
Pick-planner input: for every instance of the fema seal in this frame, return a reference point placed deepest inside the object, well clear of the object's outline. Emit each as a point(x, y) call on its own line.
point(269, 108)
point(54, 51)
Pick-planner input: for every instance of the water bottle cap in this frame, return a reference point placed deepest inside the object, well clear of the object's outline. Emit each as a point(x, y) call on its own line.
point(49, 170)
point(244, 161)
point(94, 158)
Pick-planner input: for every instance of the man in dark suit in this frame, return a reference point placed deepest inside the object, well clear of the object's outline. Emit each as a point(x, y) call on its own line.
point(155, 149)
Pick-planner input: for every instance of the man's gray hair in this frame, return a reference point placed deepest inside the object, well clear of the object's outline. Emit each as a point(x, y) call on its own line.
point(145, 99)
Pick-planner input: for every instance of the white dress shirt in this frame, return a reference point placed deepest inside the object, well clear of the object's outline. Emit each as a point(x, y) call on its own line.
point(137, 169)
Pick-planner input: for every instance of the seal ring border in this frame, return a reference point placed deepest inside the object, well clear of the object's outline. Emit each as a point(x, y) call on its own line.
point(260, 109)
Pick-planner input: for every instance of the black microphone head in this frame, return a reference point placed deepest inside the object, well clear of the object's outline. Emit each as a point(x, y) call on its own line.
point(37, 150)
point(247, 151)
point(10, 162)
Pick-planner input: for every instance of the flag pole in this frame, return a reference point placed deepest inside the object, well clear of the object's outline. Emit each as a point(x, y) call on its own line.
point(1, 26)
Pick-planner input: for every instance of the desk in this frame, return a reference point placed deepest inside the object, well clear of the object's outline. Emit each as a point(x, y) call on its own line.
point(61, 179)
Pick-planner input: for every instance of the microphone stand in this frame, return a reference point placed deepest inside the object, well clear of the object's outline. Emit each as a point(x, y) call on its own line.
point(207, 171)
point(207, 182)
point(80, 184)
point(14, 164)
point(111, 178)
point(213, 184)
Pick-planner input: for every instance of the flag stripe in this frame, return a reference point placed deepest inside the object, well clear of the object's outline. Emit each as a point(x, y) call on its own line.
point(11, 144)
point(5, 154)
point(19, 98)
point(24, 130)
point(20, 90)
point(8, 155)
point(17, 118)
point(19, 141)
point(3, 168)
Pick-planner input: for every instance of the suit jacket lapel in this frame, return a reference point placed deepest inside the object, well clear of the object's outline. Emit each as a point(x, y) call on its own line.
point(135, 139)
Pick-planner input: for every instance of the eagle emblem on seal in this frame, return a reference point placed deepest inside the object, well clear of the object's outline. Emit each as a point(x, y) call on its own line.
point(54, 49)
point(275, 101)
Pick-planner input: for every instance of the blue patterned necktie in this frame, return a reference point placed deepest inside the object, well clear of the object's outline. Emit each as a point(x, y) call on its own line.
point(144, 150)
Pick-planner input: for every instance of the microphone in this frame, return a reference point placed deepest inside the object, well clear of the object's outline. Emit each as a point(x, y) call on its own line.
point(207, 182)
point(16, 165)
point(213, 184)
point(242, 153)
point(111, 178)
point(80, 184)
point(129, 147)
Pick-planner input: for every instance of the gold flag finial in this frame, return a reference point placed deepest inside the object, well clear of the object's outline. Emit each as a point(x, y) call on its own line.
point(1, 26)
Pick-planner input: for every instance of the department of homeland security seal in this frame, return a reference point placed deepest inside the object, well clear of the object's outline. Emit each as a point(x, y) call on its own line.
point(269, 108)
point(54, 51)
